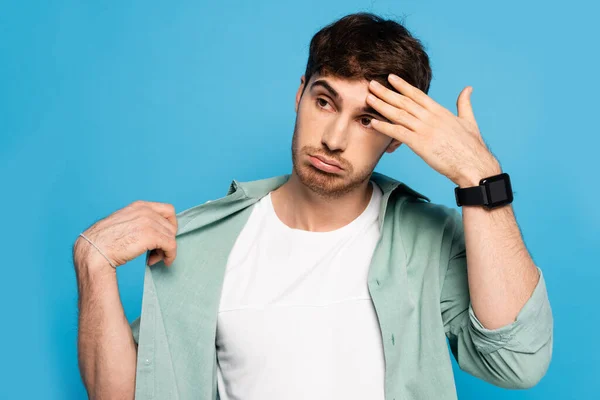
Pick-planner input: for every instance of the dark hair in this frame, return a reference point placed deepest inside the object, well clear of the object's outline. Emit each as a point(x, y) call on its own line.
point(366, 46)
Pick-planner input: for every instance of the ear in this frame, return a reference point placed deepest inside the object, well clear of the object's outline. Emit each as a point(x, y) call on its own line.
point(393, 146)
point(299, 93)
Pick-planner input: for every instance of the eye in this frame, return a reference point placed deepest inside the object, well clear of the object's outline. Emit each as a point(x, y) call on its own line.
point(366, 118)
point(319, 100)
point(322, 103)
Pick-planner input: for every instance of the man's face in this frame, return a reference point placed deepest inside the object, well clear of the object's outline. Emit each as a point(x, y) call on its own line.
point(333, 120)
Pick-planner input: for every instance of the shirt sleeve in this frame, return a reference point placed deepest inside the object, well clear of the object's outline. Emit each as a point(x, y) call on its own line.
point(135, 330)
point(514, 356)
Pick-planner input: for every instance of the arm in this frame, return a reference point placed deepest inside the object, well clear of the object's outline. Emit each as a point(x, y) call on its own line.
point(513, 344)
point(502, 274)
point(107, 352)
point(515, 355)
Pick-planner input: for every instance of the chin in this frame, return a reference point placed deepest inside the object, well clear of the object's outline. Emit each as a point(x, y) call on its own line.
point(326, 184)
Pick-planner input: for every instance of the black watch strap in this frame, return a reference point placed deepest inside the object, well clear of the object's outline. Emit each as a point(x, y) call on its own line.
point(471, 196)
point(492, 192)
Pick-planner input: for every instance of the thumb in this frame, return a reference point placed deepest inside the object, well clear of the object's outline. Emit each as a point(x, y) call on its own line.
point(463, 104)
point(155, 256)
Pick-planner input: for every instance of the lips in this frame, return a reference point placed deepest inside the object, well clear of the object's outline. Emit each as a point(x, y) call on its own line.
point(329, 161)
point(322, 163)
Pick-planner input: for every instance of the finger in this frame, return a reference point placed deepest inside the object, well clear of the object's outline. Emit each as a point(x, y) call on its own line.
point(159, 227)
point(394, 131)
point(155, 256)
point(164, 209)
point(398, 100)
point(163, 228)
point(394, 114)
point(146, 216)
point(169, 227)
point(166, 247)
point(417, 95)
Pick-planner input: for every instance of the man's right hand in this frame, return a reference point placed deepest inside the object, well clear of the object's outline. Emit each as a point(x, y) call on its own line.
point(128, 233)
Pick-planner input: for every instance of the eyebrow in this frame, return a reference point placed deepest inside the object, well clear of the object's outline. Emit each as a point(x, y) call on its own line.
point(334, 93)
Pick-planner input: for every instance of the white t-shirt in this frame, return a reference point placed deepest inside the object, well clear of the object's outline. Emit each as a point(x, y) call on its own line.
point(296, 319)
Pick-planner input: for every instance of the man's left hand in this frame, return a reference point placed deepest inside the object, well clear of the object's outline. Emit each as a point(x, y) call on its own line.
point(450, 144)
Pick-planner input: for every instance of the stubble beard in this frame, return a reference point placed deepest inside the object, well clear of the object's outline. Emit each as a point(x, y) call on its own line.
point(325, 184)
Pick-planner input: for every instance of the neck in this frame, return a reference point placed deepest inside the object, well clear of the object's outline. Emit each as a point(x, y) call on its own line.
point(300, 208)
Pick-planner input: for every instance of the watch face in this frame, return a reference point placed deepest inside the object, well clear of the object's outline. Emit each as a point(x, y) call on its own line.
point(498, 190)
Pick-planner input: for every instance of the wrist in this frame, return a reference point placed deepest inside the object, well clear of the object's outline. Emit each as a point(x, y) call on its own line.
point(94, 275)
point(89, 262)
point(473, 177)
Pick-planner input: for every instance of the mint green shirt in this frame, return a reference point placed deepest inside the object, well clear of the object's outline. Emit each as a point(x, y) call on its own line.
point(417, 281)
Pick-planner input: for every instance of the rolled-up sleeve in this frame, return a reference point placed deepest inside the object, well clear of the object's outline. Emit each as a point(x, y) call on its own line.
point(513, 356)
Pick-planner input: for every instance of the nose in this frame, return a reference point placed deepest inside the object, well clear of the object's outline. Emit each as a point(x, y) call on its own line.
point(336, 136)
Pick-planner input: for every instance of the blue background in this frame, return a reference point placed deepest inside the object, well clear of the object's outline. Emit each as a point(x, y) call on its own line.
point(105, 103)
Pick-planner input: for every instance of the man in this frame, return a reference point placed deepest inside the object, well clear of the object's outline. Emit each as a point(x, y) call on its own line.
point(334, 281)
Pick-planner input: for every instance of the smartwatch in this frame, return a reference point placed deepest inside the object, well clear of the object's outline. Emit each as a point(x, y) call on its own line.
point(492, 192)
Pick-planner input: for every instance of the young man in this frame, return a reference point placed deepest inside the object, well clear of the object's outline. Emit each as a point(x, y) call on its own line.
point(334, 281)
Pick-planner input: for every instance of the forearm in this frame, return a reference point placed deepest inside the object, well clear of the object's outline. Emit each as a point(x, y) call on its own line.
point(106, 349)
point(501, 273)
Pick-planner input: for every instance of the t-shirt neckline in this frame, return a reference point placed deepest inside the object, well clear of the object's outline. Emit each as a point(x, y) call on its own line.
point(336, 232)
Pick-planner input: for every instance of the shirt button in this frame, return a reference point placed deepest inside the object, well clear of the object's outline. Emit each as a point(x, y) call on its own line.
point(147, 361)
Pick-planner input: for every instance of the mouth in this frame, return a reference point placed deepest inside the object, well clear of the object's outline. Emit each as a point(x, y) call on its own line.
point(325, 164)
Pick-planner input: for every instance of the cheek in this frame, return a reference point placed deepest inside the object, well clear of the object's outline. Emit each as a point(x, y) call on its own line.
point(372, 141)
point(380, 142)
point(366, 150)
point(310, 125)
